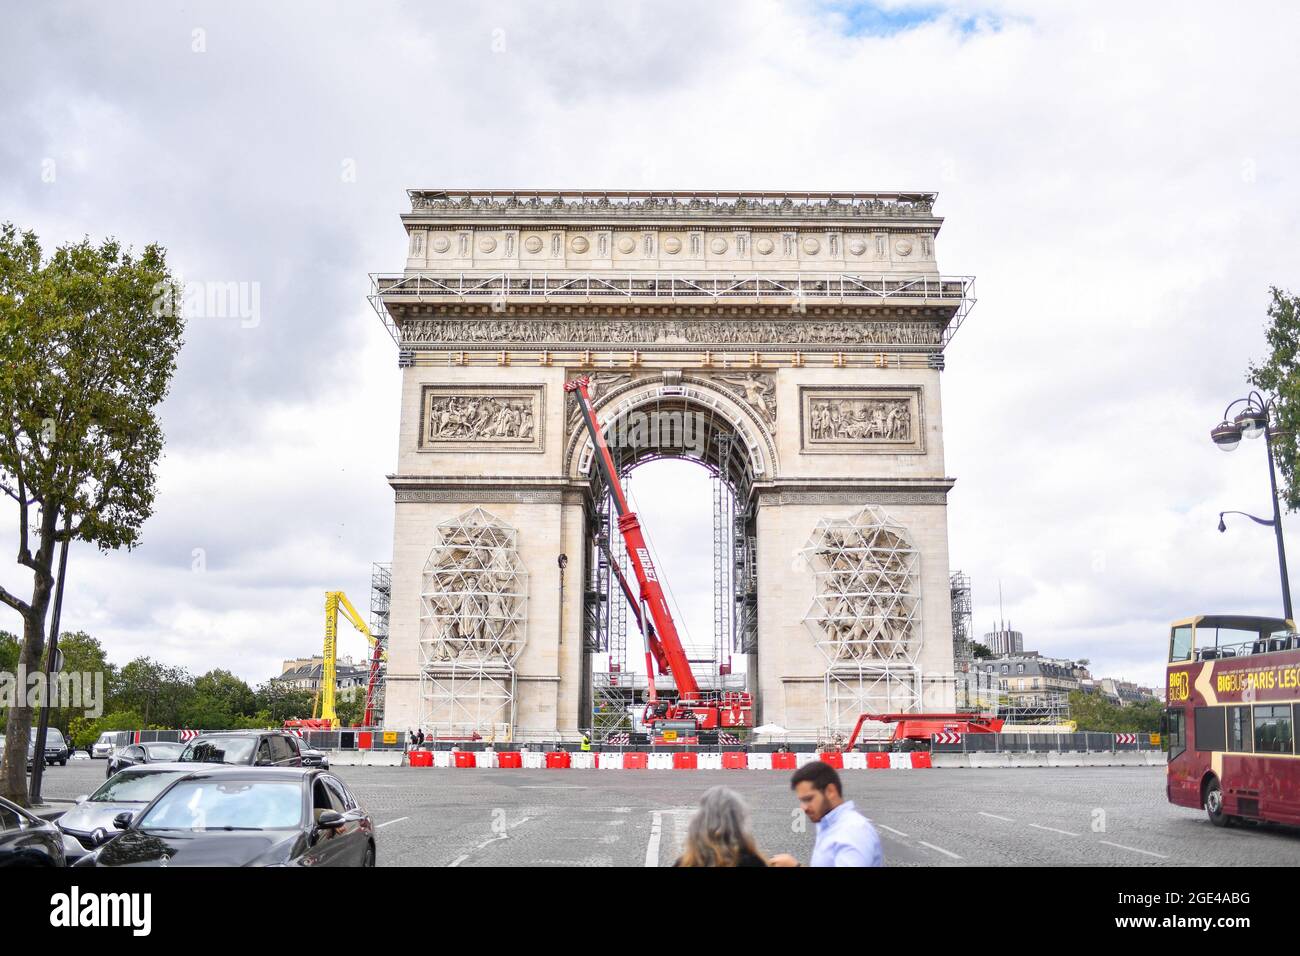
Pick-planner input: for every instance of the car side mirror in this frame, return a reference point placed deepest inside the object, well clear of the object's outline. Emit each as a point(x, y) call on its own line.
point(330, 820)
point(123, 820)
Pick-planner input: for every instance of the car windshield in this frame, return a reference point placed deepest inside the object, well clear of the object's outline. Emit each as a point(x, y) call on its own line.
point(237, 750)
point(227, 805)
point(132, 786)
point(53, 737)
point(163, 751)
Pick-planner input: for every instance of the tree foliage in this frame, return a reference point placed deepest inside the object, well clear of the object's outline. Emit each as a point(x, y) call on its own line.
point(1099, 714)
point(90, 337)
point(1279, 377)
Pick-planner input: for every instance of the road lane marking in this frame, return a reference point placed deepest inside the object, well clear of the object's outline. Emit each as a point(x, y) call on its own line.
point(995, 816)
point(652, 848)
point(1053, 829)
point(892, 830)
point(398, 820)
point(1133, 849)
point(940, 849)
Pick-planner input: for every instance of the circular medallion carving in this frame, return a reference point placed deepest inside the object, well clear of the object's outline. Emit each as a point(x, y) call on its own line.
point(811, 246)
point(764, 246)
point(579, 244)
point(487, 244)
point(441, 244)
point(718, 246)
point(626, 245)
point(857, 247)
point(672, 245)
point(903, 247)
point(533, 244)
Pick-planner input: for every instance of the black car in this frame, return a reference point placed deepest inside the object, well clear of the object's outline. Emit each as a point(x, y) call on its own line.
point(89, 824)
point(56, 747)
point(27, 840)
point(244, 748)
point(133, 755)
point(244, 816)
point(311, 757)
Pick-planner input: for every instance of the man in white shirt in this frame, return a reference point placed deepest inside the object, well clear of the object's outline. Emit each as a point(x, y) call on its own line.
point(844, 836)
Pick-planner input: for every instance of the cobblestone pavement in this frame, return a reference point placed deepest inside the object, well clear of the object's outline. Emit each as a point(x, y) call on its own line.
point(1095, 816)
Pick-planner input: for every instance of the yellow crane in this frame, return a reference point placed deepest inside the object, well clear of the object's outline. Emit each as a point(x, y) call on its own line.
point(324, 714)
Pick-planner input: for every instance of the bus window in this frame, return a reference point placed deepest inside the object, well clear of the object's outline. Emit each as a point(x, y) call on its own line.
point(1273, 729)
point(1180, 644)
point(1240, 738)
point(1176, 735)
point(1209, 728)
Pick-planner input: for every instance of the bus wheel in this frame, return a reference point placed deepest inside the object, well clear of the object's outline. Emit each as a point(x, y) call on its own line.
point(1214, 804)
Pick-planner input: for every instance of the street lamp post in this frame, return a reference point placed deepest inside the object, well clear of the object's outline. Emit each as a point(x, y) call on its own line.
point(1253, 421)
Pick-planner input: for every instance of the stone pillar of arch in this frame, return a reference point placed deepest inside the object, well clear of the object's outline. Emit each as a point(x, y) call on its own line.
point(808, 327)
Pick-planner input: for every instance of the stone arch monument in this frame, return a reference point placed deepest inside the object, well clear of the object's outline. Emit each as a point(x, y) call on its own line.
point(792, 343)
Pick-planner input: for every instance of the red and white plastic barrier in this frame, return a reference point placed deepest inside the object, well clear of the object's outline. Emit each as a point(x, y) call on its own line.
point(684, 760)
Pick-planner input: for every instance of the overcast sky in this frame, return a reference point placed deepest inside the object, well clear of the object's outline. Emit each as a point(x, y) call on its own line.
point(1120, 178)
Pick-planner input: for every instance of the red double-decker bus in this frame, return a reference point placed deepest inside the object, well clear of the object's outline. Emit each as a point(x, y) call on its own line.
point(1233, 703)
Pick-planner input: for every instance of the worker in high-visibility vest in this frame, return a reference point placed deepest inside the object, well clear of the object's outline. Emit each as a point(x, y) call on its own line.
point(586, 743)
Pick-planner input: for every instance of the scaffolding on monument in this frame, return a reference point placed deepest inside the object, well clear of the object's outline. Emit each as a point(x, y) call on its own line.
point(724, 568)
point(381, 594)
point(473, 616)
point(865, 615)
point(960, 591)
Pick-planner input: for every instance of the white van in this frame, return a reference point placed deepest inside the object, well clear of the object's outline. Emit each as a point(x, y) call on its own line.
point(109, 741)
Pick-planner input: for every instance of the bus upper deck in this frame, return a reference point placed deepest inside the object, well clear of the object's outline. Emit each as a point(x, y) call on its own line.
point(1208, 637)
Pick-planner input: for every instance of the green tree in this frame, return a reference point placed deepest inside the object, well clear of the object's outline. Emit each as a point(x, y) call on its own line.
point(9, 647)
point(158, 692)
point(231, 693)
point(89, 337)
point(282, 702)
point(980, 651)
point(1279, 376)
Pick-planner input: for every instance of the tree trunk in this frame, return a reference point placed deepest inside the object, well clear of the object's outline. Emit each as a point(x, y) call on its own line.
point(18, 731)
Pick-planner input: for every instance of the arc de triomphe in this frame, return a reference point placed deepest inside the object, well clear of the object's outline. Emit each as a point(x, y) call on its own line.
point(804, 332)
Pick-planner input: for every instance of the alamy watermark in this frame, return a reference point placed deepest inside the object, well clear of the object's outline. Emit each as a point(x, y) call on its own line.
point(675, 430)
point(210, 299)
point(77, 690)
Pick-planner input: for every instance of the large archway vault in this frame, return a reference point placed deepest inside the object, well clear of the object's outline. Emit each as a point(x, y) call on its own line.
point(799, 336)
point(717, 428)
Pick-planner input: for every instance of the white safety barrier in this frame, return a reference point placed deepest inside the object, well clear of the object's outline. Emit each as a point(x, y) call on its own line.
point(660, 762)
point(533, 760)
point(900, 761)
point(802, 758)
point(761, 761)
point(582, 760)
point(442, 758)
point(855, 760)
point(485, 758)
point(610, 761)
point(707, 761)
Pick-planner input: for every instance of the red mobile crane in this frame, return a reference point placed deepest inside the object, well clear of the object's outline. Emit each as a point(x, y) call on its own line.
point(731, 709)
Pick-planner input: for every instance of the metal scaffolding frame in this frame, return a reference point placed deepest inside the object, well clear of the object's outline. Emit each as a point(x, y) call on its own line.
point(962, 625)
point(473, 621)
point(381, 594)
point(883, 688)
point(724, 567)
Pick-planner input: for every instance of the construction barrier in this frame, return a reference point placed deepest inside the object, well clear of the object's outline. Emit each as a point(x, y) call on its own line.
point(610, 761)
point(685, 761)
point(421, 758)
point(485, 758)
point(510, 759)
point(835, 760)
point(920, 760)
point(900, 761)
point(708, 761)
point(877, 761)
point(805, 757)
point(582, 760)
point(558, 760)
point(463, 758)
point(661, 761)
point(442, 758)
point(635, 761)
point(532, 760)
point(759, 761)
point(855, 760)
point(734, 761)
point(784, 761)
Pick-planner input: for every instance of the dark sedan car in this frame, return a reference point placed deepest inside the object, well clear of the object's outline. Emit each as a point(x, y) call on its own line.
point(134, 755)
point(244, 748)
point(311, 757)
point(245, 817)
point(27, 840)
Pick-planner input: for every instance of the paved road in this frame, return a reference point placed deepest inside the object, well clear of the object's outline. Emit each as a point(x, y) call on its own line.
point(1095, 816)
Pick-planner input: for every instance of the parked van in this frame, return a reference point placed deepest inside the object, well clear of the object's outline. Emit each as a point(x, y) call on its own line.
point(109, 741)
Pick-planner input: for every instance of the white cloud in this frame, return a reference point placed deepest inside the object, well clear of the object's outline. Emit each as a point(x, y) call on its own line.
point(1116, 175)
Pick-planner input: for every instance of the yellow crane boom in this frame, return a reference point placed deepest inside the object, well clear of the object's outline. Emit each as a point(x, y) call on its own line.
point(336, 602)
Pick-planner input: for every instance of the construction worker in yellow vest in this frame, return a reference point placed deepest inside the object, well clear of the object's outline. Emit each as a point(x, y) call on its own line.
point(586, 743)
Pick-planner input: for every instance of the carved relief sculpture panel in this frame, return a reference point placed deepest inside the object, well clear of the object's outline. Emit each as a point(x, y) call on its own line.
point(482, 418)
point(866, 419)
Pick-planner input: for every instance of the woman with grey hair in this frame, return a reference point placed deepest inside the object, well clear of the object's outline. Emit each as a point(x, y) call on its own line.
point(719, 833)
